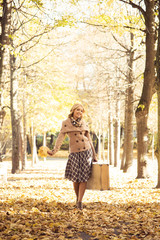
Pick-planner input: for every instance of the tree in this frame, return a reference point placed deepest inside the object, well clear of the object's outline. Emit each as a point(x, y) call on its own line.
point(5, 21)
point(25, 37)
point(120, 24)
point(147, 12)
point(129, 109)
point(158, 92)
point(148, 88)
point(15, 116)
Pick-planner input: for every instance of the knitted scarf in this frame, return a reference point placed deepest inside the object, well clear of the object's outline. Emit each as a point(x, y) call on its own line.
point(76, 123)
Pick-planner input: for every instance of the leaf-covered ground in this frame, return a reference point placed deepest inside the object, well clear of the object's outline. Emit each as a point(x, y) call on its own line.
point(40, 204)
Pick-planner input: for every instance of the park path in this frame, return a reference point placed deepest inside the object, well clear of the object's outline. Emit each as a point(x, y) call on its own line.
point(52, 171)
point(49, 178)
point(40, 204)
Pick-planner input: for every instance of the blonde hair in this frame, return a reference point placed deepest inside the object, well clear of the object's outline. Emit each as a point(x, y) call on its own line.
point(74, 107)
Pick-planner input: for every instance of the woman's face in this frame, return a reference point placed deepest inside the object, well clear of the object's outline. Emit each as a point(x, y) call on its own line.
point(78, 112)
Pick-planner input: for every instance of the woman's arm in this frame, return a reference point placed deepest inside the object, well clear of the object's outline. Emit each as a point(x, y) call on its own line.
point(58, 144)
point(93, 150)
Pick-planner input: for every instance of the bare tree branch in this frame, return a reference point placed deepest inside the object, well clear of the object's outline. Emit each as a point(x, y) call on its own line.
point(19, 5)
point(135, 6)
point(122, 45)
point(139, 29)
point(39, 60)
point(22, 23)
point(35, 36)
point(111, 49)
point(135, 59)
point(114, 26)
point(34, 44)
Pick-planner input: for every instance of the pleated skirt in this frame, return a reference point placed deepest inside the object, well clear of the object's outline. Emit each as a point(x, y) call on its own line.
point(78, 167)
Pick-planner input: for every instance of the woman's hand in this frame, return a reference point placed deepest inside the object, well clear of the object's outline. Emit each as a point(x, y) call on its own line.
point(50, 152)
point(95, 160)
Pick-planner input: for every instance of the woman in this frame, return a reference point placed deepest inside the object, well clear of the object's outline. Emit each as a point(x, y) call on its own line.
point(78, 168)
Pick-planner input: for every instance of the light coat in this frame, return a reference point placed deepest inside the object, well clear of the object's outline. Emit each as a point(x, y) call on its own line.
point(79, 137)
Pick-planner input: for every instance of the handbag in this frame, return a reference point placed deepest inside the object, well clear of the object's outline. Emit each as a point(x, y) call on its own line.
point(99, 179)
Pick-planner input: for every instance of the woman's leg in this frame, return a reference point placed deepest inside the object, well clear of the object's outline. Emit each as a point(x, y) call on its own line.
point(76, 189)
point(82, 188)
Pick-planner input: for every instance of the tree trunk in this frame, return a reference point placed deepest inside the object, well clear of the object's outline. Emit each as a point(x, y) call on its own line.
point(4, 57)
point(15, 118)
point(21, 143)
point(147, 92)
point(115, 142)
point(99, 144)
point(103, 144)
point(4, 42)
point(125, 135)
point(158, 95)
point(2, 115)
point(44, 143)
point(117, 130)
point(129, 114)
point(153, 146)
point(111, 143)
point(24, 156)
point(35, 159)
point(108, 153)
point(142, 145)
point(110, 130)
point(158, 144)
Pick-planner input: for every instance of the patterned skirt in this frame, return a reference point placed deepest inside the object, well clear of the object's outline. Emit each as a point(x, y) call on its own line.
point(78, 168)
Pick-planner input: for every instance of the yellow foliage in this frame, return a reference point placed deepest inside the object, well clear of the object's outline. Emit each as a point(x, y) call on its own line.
point(42, 151)
point(35, 210)
point(138, 210)
point(109, 2)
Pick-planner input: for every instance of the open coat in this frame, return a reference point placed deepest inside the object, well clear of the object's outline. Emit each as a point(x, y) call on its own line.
point(79, 137)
